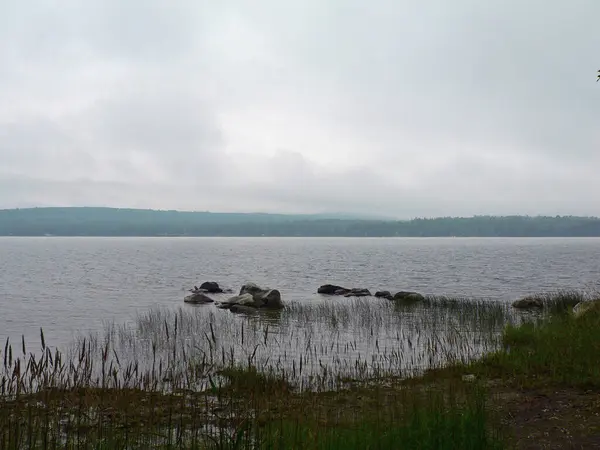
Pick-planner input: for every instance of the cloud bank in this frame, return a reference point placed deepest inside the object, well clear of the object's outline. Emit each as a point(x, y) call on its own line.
point(396, 108)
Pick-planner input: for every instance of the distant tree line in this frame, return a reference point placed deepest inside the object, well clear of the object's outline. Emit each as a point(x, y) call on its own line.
point(120, 222)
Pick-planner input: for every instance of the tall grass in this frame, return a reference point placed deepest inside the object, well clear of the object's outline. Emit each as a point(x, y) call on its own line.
point(563, 350)
point(431, 423)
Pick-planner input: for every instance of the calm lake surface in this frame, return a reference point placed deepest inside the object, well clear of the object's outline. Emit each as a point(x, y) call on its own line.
point(75, 285)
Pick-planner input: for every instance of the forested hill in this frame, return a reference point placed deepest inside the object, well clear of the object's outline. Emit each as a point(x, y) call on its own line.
point(135, 222)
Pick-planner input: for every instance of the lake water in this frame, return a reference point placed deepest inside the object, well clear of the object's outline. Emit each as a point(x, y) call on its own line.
point(74, 285)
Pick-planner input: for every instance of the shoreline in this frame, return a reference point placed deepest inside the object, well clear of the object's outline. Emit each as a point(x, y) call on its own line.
point(499, 385)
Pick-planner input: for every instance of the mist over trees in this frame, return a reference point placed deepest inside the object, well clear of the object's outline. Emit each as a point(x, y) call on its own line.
point(132, 222)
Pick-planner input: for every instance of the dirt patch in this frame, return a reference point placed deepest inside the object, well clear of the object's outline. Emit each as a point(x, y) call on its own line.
point(549, 418)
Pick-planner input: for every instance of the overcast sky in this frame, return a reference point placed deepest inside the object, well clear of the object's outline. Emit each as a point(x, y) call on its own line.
point(387, 107)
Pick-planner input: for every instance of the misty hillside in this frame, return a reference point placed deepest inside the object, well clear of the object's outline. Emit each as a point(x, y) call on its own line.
point(136, 222)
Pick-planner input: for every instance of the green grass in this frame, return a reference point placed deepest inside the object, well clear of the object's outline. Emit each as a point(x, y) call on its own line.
point(119, 419)
point(250, 380)
point(562, 351)
point(431, 425)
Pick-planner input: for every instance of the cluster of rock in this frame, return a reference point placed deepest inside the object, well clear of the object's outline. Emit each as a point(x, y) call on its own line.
point(250, 299)
point(332, 289)
point(198, 294)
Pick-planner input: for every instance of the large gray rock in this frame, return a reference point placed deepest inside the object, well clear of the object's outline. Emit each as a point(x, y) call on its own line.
point(528, 303)
point(244, 300)
point(198, 298)
point(586, 308)
point(251, 288)
point(269, 299)
point(332, 289)
point(253, 296)
point(212, 287)
point(408, 297)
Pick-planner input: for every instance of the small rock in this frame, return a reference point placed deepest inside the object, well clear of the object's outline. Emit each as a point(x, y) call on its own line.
point(528, 303)
point(408, 297)
point(211, 287)
point(469, 378)
point(198, 298)
point(384, 294)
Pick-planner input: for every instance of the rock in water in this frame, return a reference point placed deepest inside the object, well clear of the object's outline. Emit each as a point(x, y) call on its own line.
point(342, 291)
point(198, 298)
point(243, 309)
point(244, 299)
point(408, 297)
point(528, 303)
point(269, 299)
point(211, 287)
point(331, 289)
point(358, 293)
point(250, 288)
point(263, 297)
point(255, 298)
point(384, 294)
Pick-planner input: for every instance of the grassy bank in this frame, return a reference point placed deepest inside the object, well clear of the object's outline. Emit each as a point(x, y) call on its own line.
point(182, 381)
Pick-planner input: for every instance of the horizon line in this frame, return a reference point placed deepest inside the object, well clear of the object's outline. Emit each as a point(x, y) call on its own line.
point(349, 215)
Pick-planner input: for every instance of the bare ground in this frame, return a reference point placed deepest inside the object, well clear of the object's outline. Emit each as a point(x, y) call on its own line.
point(549, 418)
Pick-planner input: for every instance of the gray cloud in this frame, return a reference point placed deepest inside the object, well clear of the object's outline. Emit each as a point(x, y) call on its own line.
point(391, 107)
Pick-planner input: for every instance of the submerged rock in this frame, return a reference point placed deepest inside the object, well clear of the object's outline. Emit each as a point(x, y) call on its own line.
point(528, 303)
point(244, 300)
point(198, 298)
point(408, 297)
point(358, 293)
point(243, 309)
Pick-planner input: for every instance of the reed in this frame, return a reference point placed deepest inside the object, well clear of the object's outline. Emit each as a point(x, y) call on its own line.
point(325, 375)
